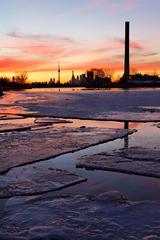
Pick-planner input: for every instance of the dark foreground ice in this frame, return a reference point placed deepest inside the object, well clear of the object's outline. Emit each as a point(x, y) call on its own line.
point(108, 216)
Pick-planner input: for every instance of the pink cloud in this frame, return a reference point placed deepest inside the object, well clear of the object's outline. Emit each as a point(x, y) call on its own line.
point(33, 53)
point(44, 50)
point(39, 46)
point(133, 44)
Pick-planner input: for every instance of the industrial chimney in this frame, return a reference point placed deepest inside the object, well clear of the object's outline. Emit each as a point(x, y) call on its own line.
point(127, 43)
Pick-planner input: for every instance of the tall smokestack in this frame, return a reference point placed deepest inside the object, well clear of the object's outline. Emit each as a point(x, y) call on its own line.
point(59, 73)
point(127, 43)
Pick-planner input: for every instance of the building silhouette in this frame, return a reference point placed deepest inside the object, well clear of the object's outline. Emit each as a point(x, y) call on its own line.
point(73, 78)
point(75, 81)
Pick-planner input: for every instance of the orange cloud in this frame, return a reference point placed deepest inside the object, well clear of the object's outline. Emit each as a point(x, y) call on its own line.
point(44, 50)
point(9, 64)
point(41, 53)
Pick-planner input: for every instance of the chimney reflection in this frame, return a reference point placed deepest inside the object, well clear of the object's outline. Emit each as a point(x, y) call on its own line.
point(126, 139)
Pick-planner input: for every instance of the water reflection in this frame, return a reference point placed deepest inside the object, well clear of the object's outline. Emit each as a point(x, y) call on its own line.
point(126, 142)
point(8, 103)
point(132, 186)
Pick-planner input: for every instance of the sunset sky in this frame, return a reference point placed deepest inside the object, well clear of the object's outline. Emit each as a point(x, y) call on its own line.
point(36, 35)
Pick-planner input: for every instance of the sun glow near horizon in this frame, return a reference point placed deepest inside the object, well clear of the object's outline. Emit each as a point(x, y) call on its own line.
point(67, 74)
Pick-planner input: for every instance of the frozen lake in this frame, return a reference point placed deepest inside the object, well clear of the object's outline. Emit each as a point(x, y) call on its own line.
point(41, 154)
point(79, 103)
point(135, 104)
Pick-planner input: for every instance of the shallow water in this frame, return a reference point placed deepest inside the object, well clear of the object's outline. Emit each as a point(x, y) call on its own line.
point(132, 186)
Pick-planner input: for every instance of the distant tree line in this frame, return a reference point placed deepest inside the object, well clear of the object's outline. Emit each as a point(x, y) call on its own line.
point(141, 80)
point(19, 81)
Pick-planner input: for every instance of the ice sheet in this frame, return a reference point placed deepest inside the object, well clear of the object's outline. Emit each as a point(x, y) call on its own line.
point(35, 179)
point(133, 160)
point(23, 147)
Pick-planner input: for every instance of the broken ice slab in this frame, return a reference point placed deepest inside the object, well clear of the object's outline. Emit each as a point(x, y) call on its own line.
point(25, 124)
point(133, 160)
point(14, 129)
point(106, 216)
point(49, 120)
point(129, 116)
point(10, 117)
point(35, 179)
point(30, 146)
point(16, 124)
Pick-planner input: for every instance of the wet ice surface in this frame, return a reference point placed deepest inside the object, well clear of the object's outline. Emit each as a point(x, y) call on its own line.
point(116, 104)
point(106, 216)
point(130, 116)
point(135, 187)
point(35, 179)
point(135, 160)
point(18, 148)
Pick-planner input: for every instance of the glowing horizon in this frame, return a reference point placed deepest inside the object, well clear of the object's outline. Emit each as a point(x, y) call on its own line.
point(80, 35)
